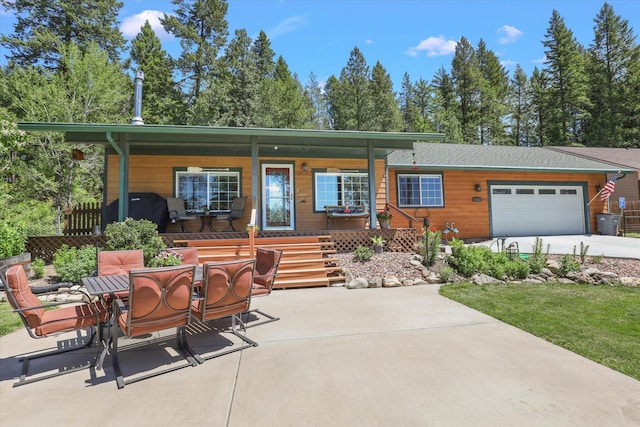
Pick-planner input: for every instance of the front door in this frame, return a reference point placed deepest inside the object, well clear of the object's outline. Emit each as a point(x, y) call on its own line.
point(277, 200)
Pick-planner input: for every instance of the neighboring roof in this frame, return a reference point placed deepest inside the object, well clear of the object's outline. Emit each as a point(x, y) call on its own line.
point(210, 140)
point(625, 157)
point(495, 157)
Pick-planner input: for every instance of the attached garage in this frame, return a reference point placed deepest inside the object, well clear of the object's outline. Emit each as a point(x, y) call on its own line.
point(536, 209)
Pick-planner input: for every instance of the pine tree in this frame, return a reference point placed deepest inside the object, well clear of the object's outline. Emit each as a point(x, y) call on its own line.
point(424, 103)
point(446, 108)
point(521, 120)
point(318, 101)
point(161, 98)
point(407, 109)
point(264, 55)
point(540, 106)
point(202, 29)
point(385, 113)
point(610, 60)
point(43, 27)
point(466, 80)
point(568, 83)
point(493, 93)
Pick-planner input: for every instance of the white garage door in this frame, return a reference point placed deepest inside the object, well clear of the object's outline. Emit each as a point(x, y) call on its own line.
point(536, 210)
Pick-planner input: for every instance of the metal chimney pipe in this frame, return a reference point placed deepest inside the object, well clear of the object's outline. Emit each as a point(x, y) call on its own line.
point(137, 106)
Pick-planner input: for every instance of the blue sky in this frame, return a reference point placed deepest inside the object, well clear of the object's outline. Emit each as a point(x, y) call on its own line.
point(416, 36)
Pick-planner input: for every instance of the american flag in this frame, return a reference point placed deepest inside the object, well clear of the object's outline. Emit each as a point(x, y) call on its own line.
point(608, 188)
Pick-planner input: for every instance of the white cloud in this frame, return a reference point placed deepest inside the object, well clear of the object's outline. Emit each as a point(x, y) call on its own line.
point(287, 26)
point(131, 25)
point(541, 60)
point(508, 63)
point(434, 46)
point(511, 34)
point(369, 41)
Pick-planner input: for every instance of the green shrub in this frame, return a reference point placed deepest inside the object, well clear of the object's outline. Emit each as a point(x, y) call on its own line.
point(538, 259)
point(568, 263)
point(447, 274)
point(430, 246)
point(37, 268)
point(134, 234)
point(72, 264)
point(470, 260)
point(13, 239)
point(362, 254)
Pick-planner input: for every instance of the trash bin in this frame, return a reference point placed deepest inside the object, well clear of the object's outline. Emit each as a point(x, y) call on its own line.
point(608, 223)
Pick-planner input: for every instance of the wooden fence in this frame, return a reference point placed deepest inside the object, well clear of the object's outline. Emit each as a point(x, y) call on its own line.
point(82, 218)
point(630, 222)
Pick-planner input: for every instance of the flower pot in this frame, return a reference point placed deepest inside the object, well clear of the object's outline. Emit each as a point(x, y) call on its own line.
point(24, 259)
point(378, 248)
point(385, 225)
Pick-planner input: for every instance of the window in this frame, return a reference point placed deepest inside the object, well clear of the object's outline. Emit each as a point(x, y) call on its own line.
point(420, 190)
point(212, 189)
point(332, 189)
point(524, 191)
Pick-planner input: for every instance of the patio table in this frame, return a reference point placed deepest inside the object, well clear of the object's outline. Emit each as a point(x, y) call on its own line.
point(102, 285)
point(208, 217)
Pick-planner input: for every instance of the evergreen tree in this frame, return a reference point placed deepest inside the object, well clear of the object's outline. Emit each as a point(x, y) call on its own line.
point(350, 104)
point(202, 29)
point(493, 93)
point(466, 80)
point(424, 103)
point(446, 108)
point(521, 112)
point(264, 55)
point(161, 98)
point(611, 58)
point(385, 113)
point(407, 109)
point(540, 107)
point(43, 27)
point(318, 101)
point(568, 90)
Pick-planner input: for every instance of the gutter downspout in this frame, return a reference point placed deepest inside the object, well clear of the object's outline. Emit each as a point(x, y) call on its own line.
point(123, 180)
point(371, 165)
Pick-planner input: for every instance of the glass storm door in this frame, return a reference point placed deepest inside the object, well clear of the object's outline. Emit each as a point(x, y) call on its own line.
point(277, 200)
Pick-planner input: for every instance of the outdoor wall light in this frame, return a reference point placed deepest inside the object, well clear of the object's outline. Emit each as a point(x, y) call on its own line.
point(305, 166)
point(598, 188)
point(478, 187)
point(97, 232)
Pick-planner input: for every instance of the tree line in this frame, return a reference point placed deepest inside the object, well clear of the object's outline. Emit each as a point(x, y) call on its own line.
point(68, 63)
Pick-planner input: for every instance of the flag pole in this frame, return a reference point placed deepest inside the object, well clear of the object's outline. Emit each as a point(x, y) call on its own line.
point(594, 197)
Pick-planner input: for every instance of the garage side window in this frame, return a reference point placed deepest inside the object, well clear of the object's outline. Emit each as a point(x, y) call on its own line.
point(420, 190)
point(214, 190)
point(333, 189)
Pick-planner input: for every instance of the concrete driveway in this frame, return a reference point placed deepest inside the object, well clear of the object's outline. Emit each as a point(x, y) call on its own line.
point(609, 246)
point(372, 357)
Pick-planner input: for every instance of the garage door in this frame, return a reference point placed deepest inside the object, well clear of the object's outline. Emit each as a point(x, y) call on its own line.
point(536, 210)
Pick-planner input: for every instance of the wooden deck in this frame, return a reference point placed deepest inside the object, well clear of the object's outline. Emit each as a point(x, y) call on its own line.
point(306, 260)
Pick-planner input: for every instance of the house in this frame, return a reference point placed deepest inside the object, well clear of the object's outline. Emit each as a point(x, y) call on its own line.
point(627, 186)
point(498, 191)
point(287, 175)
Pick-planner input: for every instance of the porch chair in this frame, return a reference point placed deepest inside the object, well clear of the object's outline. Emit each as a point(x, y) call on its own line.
point(226, 292)
point(267, 262)
point(237, 212)
point(159, 299)
point(111, 263)
point(41, 323)
point(178, 213)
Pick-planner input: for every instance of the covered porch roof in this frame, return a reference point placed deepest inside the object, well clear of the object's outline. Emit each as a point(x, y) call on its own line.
point(127, 139)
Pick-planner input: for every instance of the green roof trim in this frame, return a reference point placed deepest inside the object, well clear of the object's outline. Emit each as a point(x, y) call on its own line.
point(290, 142)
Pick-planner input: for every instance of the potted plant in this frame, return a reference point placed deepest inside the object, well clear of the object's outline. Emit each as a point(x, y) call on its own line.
point(378, 244)
point(13, 245)
point(384, 217)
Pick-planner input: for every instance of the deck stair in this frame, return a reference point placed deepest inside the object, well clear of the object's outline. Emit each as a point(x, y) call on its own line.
point(306, 260)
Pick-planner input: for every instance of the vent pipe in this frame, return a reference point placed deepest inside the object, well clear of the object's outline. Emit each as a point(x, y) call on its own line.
point(137, 106)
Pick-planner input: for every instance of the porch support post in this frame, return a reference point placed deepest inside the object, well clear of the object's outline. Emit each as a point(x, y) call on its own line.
point(122, 149)
point(255, 175)
point(371, 166)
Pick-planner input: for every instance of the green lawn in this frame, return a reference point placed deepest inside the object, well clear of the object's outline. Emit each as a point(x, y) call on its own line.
point(601, 323)
point(9, 321)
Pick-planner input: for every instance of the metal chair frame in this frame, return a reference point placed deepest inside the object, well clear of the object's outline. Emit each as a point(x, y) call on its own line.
point(269, 276)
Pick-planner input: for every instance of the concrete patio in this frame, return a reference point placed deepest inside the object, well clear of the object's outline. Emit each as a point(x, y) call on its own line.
point(373, 357)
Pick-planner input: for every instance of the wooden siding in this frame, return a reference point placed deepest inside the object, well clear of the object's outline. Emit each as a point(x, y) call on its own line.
point(472, 218)
point(155, 174)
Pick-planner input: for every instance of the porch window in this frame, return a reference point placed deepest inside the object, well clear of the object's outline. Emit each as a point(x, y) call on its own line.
point(420, 190)
point(336, 188)
point(212, 189)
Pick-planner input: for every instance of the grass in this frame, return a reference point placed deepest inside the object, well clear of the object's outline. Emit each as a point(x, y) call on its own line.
point(9, 321)
point(601, 323)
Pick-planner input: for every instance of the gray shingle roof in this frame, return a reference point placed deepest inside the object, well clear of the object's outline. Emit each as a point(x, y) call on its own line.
point(495, 157)
point(627, 157)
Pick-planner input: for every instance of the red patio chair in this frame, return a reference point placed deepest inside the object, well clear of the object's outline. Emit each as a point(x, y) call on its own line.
point(159, 299)
point(41, 323)
point(267, 262)
point(111, 263)
point(226, 291)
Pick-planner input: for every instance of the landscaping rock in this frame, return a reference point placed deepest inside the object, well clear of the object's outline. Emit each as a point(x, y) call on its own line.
point(357, 283)
point(483, 279)
point(376, 282)
point(391, 282)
